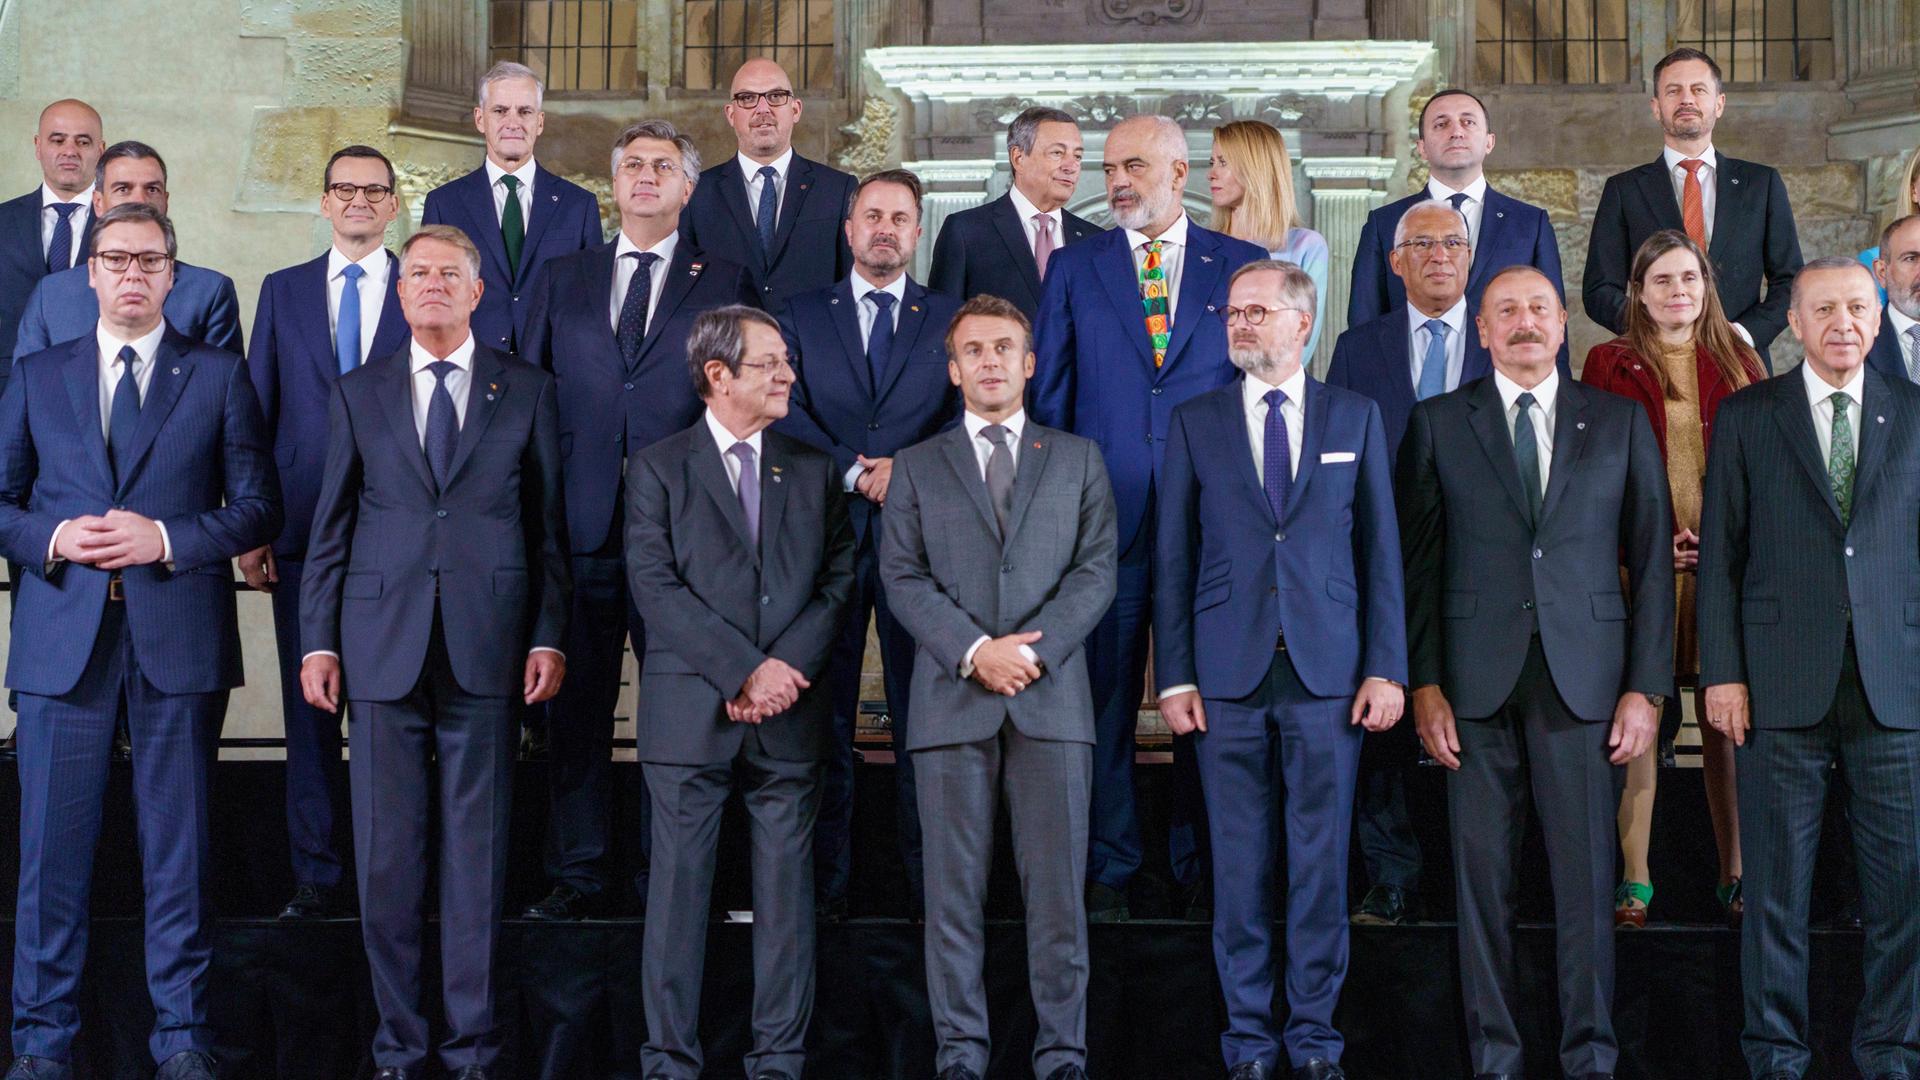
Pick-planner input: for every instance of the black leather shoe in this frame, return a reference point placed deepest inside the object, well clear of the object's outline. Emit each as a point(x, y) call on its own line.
point(36, 1068)
point(122, 745)
point(472, 1072)
point(771, 1074)
point(1597, 1076)
point(394, 1072)
point(1894, 1076)
point(1068, 1072)
point(564, 904)
point(1247, 1070)
point(1780, 1074)
point(1199, 901)
point(1319, 1069)
point(1498, 1076)
point(187, 1065)
point(957, 1072)
point(1105, 905)
point(1385, 905)
point(310, 902)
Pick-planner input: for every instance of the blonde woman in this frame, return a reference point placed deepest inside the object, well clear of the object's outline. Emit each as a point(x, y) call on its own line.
point(1908, 202)
point(1251, 179)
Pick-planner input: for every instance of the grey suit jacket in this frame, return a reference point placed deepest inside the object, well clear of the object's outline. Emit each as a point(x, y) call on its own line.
point(950, 577)
point(716, 607)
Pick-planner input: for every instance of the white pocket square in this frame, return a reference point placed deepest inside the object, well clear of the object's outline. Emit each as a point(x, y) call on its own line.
point(1336, 457)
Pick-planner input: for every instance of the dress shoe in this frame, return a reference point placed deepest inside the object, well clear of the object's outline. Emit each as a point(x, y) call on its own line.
point(395, 1072)
point(1385, 905)
point(36, 1068)
point(771, 1074)
point(122, 745)
point(310, 902)
point(564, 904)
point(957, 1072)
point(1780, 1074)
point(471, 1072)
point(1498, 1076)
point(1319, 1069)
point(187, 1065)
point(533, 742)
point(1247, 1070)
point(1105, 905)
point(1199, 901)
point(1068, 1072)
point(1893, 1076)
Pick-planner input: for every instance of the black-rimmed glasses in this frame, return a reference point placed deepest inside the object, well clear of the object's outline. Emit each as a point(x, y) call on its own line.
point(748, 99)
point(375, 193)
point(151, 262)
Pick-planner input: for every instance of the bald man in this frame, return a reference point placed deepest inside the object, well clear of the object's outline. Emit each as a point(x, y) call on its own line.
point(46, 229)
point(767, 208)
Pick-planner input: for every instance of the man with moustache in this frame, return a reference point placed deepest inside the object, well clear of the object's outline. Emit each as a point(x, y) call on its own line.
point(1737, 211)
point(1536, 673)
point(1113, 371)
point(1896, 347)
point(739, 555)
point(769, 209)
point(46, 230)
point(998, 556)
point(1809, 638)
point(1022, 228)
point(869, 382)
point(1289, 572)
point(317, 321)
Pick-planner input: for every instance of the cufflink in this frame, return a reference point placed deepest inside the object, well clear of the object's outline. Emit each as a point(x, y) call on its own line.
point(1581, 426)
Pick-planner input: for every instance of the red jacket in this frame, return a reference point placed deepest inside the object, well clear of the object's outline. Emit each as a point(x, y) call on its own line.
point(1614, 366)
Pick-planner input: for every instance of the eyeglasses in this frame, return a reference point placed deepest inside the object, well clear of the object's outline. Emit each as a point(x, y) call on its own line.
point(748, 99)
point(151, 262)
point(769, 365)
point(1255, 314)
point(375, 193)
point(660, 167)
point(1425, 244)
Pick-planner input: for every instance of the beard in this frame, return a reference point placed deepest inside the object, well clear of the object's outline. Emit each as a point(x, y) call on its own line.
point(1254, 360)
point(881, 259)
point(1688, 127)
point(1146, 208)
point(1907, 303)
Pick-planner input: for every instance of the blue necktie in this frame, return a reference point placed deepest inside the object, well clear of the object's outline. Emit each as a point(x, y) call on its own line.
point(443, 424)
point(60, 249)
point(1278, 456)
point(769, 209)
point(633, 309)
point(1526, 455)
point(346, 327)
point(124, 415)
point(1433, 370)
point(880, 338)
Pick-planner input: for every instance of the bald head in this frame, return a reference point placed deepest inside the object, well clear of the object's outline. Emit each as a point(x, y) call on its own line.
point(68, 143)
point(1145, 163)
point(763, 109)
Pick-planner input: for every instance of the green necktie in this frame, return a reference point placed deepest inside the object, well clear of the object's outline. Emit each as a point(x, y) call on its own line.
point(513, 227)
point(1840, 459)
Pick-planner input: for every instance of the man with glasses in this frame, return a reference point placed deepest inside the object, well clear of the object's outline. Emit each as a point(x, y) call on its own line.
point(45, 231)
point(316, 322)
point(611, 322)
point(769, 209)
point(136, 468)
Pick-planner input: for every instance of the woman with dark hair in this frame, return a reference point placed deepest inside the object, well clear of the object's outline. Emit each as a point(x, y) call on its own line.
point(1679, 358)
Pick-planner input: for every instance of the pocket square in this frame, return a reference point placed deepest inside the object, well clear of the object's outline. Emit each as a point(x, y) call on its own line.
point(1336, 457)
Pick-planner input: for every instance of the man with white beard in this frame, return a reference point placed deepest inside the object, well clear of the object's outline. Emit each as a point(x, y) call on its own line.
point(1896, 349)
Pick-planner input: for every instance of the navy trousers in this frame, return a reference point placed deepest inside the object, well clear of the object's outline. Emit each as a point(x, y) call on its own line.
point(314, 767)
point(1307, 741)
point(65, 744)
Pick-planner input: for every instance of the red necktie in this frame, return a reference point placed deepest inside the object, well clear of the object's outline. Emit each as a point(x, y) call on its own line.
point(1693, 209)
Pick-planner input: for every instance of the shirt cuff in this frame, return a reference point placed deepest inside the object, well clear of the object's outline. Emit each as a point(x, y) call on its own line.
point(54, 542)
point(1384, 679)
point(544, 648)
point(1030, 656)
point(852, 479)
point(1183, 688)
point(166, 543)
point(966, 662)
point(319, 652)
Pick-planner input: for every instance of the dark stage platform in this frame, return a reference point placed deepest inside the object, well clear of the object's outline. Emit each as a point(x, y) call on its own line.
point(293, 1001)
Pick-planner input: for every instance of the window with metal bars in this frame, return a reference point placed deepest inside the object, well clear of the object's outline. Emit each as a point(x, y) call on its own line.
point(1761, 40)
point(575, 45)
point(720, 35)
point(1550, 41)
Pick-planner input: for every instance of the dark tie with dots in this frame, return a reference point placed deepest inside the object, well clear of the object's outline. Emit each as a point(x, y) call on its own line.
point(633, 310)
point(124, 415)
point(880, 338)
point(768, 210)
point(1277, 456)
point(60, 249)
point(443, 424)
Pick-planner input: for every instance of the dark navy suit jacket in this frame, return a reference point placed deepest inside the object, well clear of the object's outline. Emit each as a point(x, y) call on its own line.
point(565, 219)
point(606, 411)
point(836, 407)
point(23, 263)
point(984, 250)
point(201, 468)
point(1885, 356)
point(386, 539)
point(1512, 233)
point(1094, 374)
point(1228, 575)
point(809, 241)
point(201, 306)
point(294, 369)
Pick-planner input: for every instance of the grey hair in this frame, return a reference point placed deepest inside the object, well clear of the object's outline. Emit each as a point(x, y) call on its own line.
point(507, 69)
point(1825, 262)
point(133, 211)
point(1400, 230)
point(665, 132)
point(1296, 288)
point(720, 334)
point(446, 234)
point(1168, 135)
point(1026, 127)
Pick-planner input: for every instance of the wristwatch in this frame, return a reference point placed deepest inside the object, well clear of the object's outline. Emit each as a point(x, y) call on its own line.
point(1658, 701)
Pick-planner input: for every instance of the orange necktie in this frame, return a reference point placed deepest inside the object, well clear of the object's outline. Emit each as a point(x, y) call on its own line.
point(1693, 209)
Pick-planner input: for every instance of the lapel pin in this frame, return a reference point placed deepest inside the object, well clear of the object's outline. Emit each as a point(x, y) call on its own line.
point(1734, 180)
point(1036, 446)
point(493, 386)
point(913, 307)
point(803, 187)
point(176, 371)
point(555, 198)
point(695, 269)
point(1582, 425)
point(1206, 258)
point(1209, 307)
point(489, 397)
point(1500, 213)
point(1877, 419)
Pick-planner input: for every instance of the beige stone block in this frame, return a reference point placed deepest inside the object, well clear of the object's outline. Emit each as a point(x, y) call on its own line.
point(322, 18)
point(1831, 190)
point(1554, 190)
point(1833, 236)
point(346, 72)
point(287, 147)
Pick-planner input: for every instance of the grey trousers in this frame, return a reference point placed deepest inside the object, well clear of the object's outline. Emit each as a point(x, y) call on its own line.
point(1047, 785)
point(782, 798)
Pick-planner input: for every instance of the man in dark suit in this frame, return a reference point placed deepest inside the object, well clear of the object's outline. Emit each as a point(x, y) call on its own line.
point(517, 213)
point(769, 209)
point(1109, 371)
point(739, 552)
point(317, 321)
point(1536, 676)
point(133, 466)
point(201, 306)
point(619, 354)
point(1279, 632)
point(435, 600)
point(67, 144)
point(1455, 140)
point(870, 380)
point(1023, 228)
point(1737, 211)
point(999, 556)
point(1810, 656)
point(1896, 348)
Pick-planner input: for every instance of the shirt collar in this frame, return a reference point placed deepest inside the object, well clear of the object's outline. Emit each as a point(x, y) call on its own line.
point(1819, 390)
point(1253, 390)
point(48, 197)
point(524, 174)
point(145, 345)
point(1175, 236)
point(462, 356)
point(664, 248)
point(1543, 394)
point(1024, 209)
point(1673, 158)
point(1475, 192)
point(725, 439)
point(1455, 317)
point(375, 263)
point(861, 287)
point(751, 168)
point(975, 424)
point(1898, 321)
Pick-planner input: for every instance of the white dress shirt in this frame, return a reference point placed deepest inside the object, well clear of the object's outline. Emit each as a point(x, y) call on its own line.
point(725, 439)
point(1293, 413)
point(524, 174)
point(1678, 175)
point(1016, 426)
point(624, 269)
point(1820, 396)
point(1173, 248)
point(372, 288)
point(1456, 320)
point(1473, 209)
point(76, 221)
point(1024, 209)
point(755, 181)
point(1542, 412)
point(459, 381)
point(1900, 327)
point(110, 345)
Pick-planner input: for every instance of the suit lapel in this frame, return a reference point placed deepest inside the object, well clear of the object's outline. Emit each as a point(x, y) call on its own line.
point(1116, 271)
point(1657, 189)
point(1315, 436)
point(774, 466)
point(484, 229)
point(391, 332)
point(1077, 228)
point(683, 273)
point(310, 318)
point(1489, 422)
point(1032, 461)
point(1795, 417)
point(704, 460)
point(1729, 206)
point(1886, 355)
point(1394, 348)
point(1199, 271)
point(1569, 440)
point(1227, 416)
point(913, 321)
point(546, 207)
point(1013, 233)
point(83, 389)
point(1493, 231)
point(396, 398)
point(959, 450)
point(485, 388)
point(1875, 402)
point(845, 317)
point(170, 374)
point(733, 193)
point(799, 182)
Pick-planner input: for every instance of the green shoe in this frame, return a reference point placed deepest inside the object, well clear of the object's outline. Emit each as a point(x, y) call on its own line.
point(1630, 902)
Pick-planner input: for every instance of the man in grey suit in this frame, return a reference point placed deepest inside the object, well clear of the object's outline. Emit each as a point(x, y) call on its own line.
point(998, 556)
point(1808, 580)
point(740, 553)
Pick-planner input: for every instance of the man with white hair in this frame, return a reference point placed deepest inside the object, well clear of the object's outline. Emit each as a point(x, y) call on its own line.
point(1112, 368)
point(518, 214)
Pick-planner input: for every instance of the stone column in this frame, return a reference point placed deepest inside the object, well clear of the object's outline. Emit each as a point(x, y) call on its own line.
point(951, 186)
point(1344, 191)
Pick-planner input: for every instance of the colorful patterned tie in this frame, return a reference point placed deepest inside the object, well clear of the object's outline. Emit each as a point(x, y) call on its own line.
point(1153, 297)
point(1693, 207)
point(1840, 459)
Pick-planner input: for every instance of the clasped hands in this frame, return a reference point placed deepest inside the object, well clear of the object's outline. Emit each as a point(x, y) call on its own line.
point(771, 690)
point(110, 541)
point(1001, 666)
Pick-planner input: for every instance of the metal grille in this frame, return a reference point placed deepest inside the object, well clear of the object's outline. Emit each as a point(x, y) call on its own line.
point(721, 35)
point(1551, 41)
point(575, 45)
point(1761, 40)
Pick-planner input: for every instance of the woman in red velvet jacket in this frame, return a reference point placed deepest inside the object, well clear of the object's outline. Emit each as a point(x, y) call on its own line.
point(1679, 359)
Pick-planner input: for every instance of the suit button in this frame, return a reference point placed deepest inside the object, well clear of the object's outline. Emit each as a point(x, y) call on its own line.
point(1279, 537)
point(765, 600)
point(618, 439)
point(439, 513)
point(1537, 553)
point(1158, 390)
point(873, 427)
point(1006, 568)
point(1149, 438)
point(1526, 605)
point(516, 299)
point(1845, 610)
point(1849, 553)
point(628, 386)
